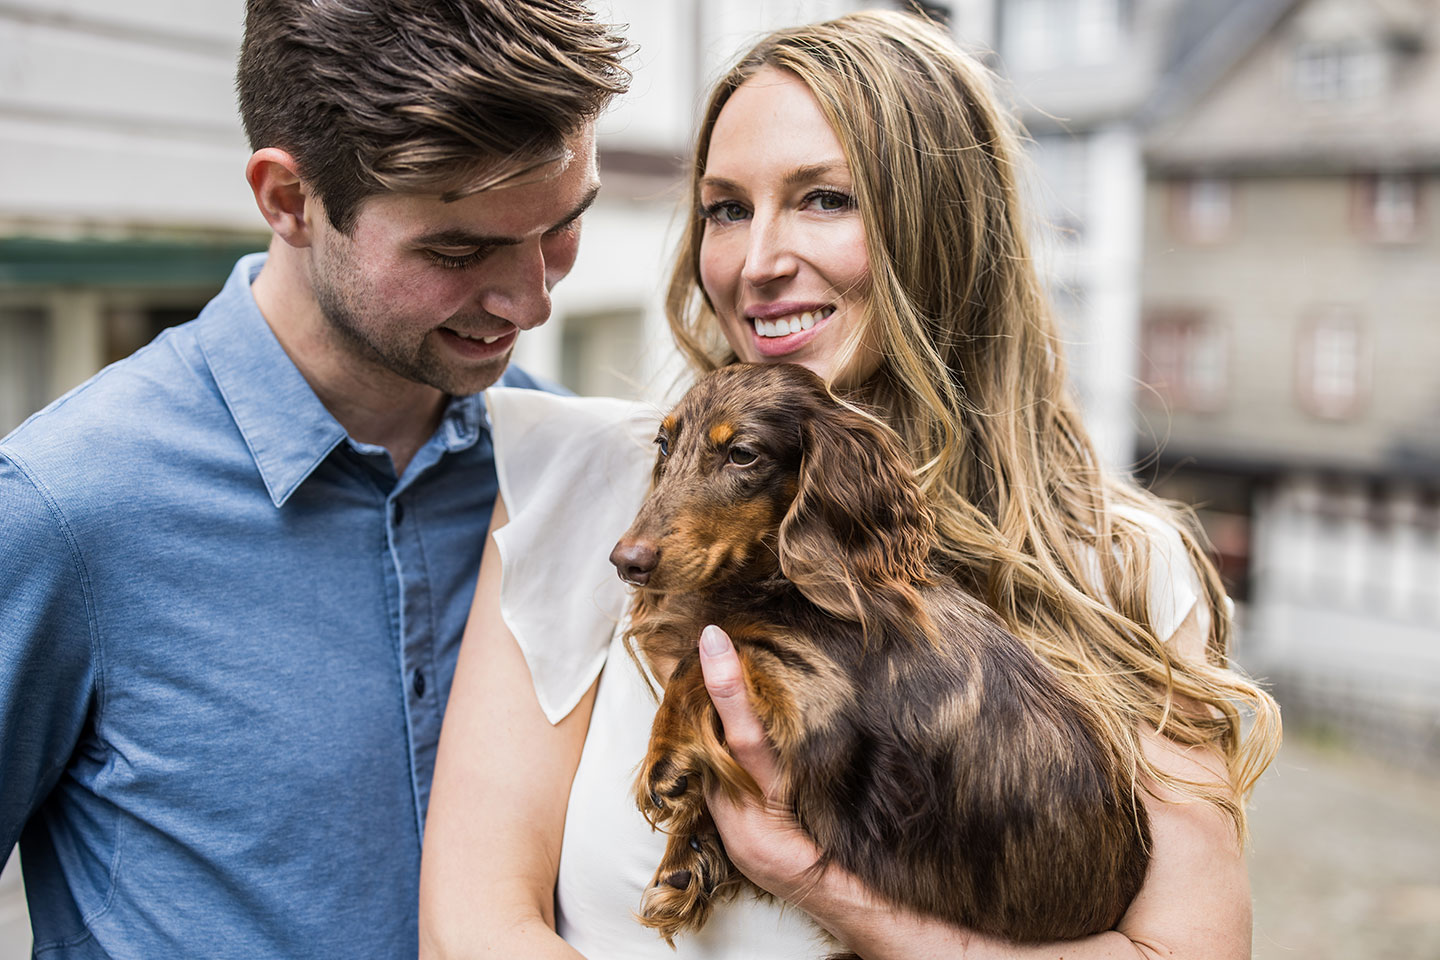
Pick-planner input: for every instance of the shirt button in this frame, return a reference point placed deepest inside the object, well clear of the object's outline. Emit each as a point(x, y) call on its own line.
point(418, 683)
point(397, 513)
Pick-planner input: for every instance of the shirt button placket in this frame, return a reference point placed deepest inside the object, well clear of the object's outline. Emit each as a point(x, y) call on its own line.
point(417, 677)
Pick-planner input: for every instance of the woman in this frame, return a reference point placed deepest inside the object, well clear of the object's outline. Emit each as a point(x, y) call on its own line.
point(856, 212)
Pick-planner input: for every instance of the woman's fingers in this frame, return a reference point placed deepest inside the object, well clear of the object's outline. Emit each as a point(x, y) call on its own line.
point(744, 733)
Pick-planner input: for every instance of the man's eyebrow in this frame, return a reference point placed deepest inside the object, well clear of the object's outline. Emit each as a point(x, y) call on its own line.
point(579, 210)
point(466, 238)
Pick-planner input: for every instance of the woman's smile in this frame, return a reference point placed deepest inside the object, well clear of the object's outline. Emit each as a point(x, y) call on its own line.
point(783, 328)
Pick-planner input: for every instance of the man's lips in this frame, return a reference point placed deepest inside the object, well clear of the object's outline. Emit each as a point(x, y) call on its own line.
point(480, 346)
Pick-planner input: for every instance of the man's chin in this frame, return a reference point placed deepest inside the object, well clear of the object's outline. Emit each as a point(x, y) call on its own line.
point(474, 378)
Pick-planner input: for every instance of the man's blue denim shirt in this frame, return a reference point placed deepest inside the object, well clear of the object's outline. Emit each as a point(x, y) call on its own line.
point(227, 635)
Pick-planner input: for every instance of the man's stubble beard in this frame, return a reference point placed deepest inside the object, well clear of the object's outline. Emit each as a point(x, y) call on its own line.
point(335, 286)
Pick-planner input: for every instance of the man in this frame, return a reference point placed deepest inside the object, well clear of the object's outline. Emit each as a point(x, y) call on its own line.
point(234, 568)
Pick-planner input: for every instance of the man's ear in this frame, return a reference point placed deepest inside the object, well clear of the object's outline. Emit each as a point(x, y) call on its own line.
point(282, 197)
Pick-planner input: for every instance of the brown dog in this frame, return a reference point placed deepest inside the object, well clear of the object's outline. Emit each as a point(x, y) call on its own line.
point(922, 746)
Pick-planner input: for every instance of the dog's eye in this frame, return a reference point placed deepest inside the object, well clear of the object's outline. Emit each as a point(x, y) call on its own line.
point(742, 456)
point(663, 443)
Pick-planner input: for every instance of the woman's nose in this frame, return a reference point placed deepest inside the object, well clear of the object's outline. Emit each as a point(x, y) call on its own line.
point(770, 254)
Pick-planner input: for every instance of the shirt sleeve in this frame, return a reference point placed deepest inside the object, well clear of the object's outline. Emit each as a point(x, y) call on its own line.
point(47, 667)
point(573, 472)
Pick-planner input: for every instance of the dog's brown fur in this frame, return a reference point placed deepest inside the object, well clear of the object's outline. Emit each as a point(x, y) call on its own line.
point(922, 746)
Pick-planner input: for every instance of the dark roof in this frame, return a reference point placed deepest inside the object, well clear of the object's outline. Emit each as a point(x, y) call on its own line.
point(1207, 39)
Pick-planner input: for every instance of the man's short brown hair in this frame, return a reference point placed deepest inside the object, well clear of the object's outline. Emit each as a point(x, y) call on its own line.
point(421, 96)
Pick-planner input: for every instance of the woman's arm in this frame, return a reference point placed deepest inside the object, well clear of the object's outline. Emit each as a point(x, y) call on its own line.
point(497, 805)
point(1195, 901)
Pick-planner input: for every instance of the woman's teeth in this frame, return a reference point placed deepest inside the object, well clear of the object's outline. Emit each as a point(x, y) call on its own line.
point(784, 326)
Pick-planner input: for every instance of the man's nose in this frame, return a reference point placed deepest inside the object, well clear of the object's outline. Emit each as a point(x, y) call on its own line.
point(519, 290)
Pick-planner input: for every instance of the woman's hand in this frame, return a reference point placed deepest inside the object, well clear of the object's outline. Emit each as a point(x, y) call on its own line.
point(761, 838)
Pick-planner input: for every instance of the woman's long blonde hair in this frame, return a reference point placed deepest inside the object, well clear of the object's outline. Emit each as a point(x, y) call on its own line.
point(973, 380)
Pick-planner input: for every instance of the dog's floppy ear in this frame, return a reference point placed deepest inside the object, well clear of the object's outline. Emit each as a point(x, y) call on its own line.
point(856, 539)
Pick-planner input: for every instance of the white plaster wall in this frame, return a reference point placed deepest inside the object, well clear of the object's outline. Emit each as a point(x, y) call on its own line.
point(121, 115)
point(1112, 311)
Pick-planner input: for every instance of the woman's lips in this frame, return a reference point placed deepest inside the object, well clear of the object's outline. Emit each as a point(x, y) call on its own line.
point(785, 332)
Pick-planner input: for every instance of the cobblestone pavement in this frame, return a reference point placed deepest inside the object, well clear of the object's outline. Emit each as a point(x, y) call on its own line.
point(1345, 861)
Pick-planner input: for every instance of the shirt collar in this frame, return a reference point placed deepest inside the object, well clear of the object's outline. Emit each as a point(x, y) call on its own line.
point(286, 428)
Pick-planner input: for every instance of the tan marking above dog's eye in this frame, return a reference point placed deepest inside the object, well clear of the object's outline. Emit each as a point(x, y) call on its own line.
point(721, 433)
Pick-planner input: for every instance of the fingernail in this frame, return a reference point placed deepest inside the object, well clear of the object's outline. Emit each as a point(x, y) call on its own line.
point(713, 641)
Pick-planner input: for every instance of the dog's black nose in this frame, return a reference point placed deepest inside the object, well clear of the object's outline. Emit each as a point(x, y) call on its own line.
point(635, 560)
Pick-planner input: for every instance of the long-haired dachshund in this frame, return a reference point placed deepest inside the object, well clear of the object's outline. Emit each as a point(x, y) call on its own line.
point(923, 746)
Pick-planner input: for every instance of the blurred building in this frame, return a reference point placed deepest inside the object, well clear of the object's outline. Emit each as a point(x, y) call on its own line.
point(1235, 204)
point(1290, 288)
point(1080, 72)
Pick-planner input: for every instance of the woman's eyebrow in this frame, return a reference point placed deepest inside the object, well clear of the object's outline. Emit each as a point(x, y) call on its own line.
point(816, 171)
point(803, 174)
point(720, 183)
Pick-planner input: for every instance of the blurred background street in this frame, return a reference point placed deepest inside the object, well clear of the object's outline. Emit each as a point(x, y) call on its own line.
point(1345, 858)
point(1237, 207)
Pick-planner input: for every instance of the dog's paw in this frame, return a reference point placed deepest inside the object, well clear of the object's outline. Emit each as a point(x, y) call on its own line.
point(685, 886)
point(667, 790)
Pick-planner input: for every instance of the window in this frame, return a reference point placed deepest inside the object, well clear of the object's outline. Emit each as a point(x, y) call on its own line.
point(1187, 360)
point(1202, 209)
point(1388, 207)
point(1044, 34)
point(1329, 71)
point(1097, 30)
point(1333, 364)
